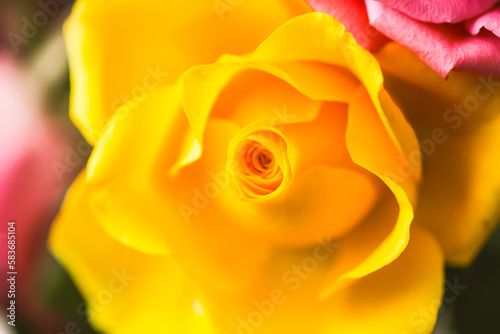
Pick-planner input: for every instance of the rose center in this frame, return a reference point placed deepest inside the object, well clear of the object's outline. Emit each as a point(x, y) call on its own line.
point(259, 158)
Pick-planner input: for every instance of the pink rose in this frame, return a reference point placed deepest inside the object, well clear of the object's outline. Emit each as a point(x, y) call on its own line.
point(30, 190)
point(462, 35)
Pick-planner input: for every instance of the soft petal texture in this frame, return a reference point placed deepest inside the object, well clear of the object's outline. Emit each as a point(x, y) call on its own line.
point(433, 30)
point(115, 286)
point(386, 133)
point(202, 86)
point(360, 243)
point(390, 297)
point(489, 21)
point(459, 206)
point(352, 14)
point(440, 11)
point(106, 71)
point(136, 155)
point(387, 301)
point(312, 206)
point(387, 165)
point(159, 121)
point(157, 185)
point(333, 45)
point(442, 46)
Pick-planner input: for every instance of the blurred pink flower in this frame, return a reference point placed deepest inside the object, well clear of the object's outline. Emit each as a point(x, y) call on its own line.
point(30, 190)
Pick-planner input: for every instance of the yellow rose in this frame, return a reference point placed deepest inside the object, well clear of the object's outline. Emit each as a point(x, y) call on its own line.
point(457, 122)
point(257, 189)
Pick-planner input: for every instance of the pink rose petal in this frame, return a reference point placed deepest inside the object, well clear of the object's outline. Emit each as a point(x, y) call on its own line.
point(352, 14)
point(440, 11)
point(442, 46)
point(30, 190)
point(489, 21)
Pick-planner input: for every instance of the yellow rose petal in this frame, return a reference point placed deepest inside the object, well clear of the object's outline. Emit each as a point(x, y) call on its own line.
point(113, 278)
point(128, 155)
point(402, 297)
point(374, 151)
point(392, 299)
point(332, 44)
point(172, 209)
point(457, 123)
point(119, 50)
point(204, 85)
